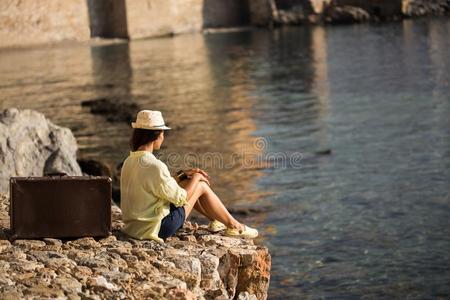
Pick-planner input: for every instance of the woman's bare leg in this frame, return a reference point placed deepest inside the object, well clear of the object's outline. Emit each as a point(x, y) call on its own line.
point(210, 204)
point(192, 200)
point(198, 207)
point(215, 208)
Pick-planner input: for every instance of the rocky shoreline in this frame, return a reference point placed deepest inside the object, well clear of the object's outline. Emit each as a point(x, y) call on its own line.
point(30, 23)
point(293, 12)
point(195, 264)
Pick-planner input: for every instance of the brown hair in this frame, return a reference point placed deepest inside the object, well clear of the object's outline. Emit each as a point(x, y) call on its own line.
point(143, 136)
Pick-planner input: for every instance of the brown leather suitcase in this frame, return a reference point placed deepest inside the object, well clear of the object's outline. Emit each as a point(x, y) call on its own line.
point(60, 206)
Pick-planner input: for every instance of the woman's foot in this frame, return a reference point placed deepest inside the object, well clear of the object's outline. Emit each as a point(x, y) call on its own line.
point(244, 231)
point(216, 226)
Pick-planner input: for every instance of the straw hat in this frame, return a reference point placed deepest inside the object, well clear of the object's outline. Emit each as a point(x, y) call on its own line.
point(149, 119)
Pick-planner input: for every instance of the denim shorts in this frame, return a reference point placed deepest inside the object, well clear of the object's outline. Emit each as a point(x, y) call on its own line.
point(172, 222)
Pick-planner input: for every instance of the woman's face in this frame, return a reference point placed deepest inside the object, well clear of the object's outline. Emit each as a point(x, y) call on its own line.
point(159, 141)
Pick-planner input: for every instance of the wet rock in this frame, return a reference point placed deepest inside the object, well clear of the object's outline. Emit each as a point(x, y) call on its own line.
point(347, 14)
point(416, 8)
point(294, 16)
point(30, 144)
point(323, 152)
point(114, 110)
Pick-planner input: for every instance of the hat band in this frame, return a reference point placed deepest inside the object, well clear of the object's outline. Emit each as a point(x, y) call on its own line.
point(145, 126)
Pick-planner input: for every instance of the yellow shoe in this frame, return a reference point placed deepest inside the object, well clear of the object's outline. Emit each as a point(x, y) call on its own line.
point(216, 226)
point(248, 232)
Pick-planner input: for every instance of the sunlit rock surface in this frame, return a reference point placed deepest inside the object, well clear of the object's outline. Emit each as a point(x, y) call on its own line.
point(31, 145)
point(193, 265)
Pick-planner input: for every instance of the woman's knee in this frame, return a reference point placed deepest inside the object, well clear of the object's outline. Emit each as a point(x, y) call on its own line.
point(204, 187)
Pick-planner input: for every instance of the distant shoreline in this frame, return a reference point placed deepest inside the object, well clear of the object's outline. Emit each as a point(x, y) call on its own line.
point(28, 25)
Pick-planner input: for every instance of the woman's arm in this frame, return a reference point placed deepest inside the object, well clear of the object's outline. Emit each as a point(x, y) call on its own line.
point(190, 172)
point(180, 176)
point(193, 182)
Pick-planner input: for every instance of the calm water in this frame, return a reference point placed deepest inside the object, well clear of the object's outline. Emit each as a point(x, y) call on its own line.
point(370, 220)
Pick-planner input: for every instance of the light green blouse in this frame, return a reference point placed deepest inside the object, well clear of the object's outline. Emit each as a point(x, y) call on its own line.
point(146, 191)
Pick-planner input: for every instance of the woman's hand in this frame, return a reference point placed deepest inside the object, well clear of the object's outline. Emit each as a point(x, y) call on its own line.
point(200, 177)
point(191, 172)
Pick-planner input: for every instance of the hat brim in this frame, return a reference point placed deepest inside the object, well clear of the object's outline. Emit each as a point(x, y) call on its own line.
point(163, 127)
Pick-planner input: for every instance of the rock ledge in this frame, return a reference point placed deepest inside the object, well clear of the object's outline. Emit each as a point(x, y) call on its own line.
point(193, 265)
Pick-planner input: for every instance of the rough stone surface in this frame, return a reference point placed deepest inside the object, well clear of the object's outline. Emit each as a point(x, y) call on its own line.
point(30, 22)
point(31, 145)
point(168, 17)
point(415, 8)
point(173, 17)
point(383, 9)
point(348, 14)
point(195, 264)
point(389, 9)
point(281, 12)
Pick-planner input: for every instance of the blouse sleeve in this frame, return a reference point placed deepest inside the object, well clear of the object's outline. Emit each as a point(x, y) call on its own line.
point(164, 186)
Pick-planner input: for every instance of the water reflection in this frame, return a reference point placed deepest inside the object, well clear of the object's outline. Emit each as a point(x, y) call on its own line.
point(368, 220)
point(111, 68)
point(112, 77)
point(200, 83)
point(362, 221)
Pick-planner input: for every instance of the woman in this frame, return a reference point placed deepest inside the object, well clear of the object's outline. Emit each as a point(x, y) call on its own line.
point(154, 204)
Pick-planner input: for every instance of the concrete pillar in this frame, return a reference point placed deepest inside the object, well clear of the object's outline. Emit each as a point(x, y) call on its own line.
point(229, 13)
point(262, 12)
point(108, 18)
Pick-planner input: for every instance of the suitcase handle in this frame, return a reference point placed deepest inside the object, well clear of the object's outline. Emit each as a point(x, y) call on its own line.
point(52, 174)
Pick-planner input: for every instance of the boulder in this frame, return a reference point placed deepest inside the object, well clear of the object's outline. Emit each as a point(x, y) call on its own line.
point(417, 8)
point(347, 14)
point(31, 145)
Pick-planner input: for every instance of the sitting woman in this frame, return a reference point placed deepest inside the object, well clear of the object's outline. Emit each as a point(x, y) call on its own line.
point(154, 204)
